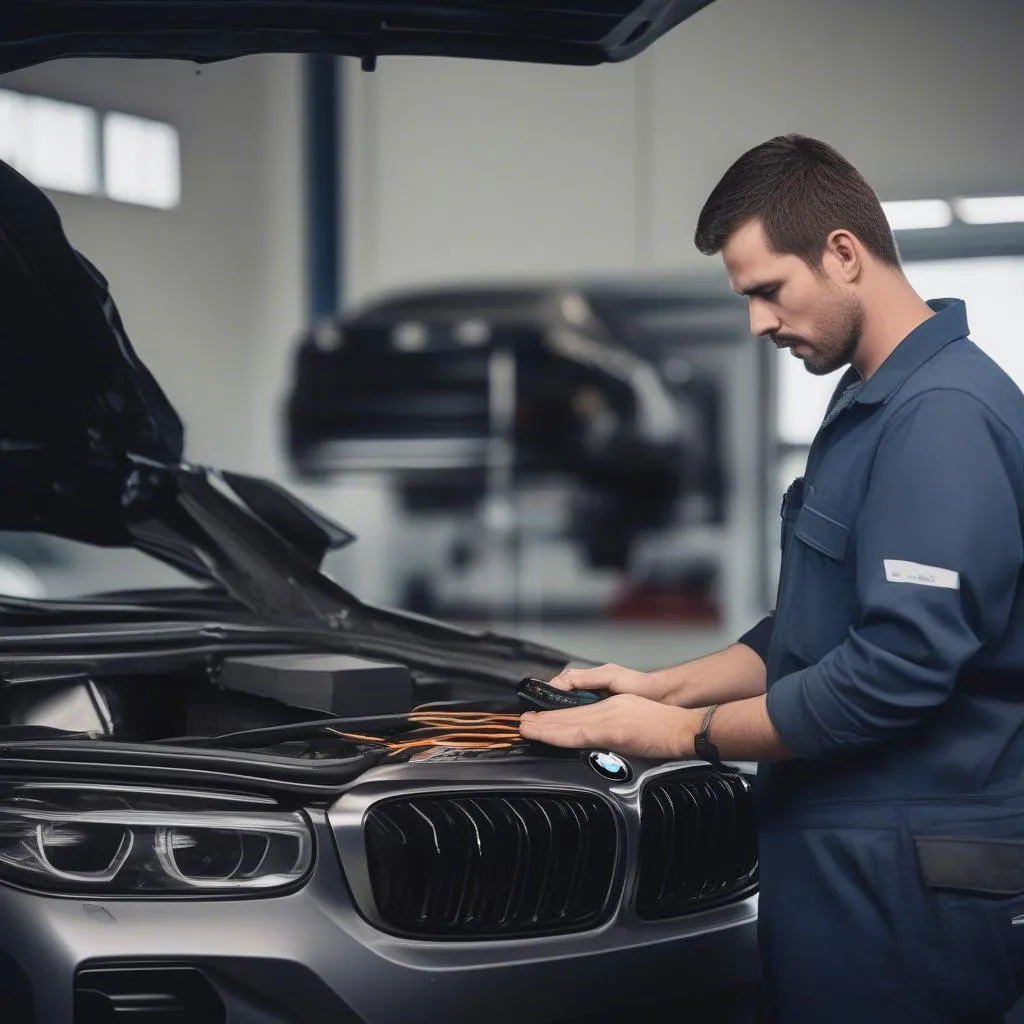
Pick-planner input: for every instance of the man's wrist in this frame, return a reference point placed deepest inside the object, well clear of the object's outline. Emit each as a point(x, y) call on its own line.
point(690, 720)
point(704, 746)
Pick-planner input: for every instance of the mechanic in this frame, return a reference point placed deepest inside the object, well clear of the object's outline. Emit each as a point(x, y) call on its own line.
point(883, 698)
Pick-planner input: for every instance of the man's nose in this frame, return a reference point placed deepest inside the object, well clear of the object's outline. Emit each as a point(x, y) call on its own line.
point(762, 321)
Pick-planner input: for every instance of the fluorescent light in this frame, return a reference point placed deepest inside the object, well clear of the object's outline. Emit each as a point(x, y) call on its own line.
point(53, 144)
point(918, 214)
point(990, 209)
point(141, 161)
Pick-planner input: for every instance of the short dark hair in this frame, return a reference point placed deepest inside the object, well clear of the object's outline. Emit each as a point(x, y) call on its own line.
point(801, 190)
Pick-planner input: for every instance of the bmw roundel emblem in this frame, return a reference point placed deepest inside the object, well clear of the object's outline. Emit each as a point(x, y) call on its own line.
point(611, 766)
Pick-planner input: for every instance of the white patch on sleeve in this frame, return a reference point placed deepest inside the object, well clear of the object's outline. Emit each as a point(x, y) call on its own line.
point(922, 575)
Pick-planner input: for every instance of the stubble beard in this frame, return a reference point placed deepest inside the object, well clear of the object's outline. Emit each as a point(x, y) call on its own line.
point(838, 335)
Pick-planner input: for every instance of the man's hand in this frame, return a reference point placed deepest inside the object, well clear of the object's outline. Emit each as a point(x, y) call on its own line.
point(626, 723)
point(614, 678)
point(629, 724)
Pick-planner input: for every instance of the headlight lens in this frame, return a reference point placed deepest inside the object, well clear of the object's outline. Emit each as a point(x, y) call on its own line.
point(141, 842)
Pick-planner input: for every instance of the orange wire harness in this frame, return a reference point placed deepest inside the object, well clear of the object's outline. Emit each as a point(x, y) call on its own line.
point(462, 730)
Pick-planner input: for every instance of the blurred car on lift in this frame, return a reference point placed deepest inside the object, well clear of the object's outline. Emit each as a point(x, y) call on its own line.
point(218, 804)
point(578, 407)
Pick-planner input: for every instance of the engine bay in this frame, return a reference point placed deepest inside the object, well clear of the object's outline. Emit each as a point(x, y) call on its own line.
point(299, 705)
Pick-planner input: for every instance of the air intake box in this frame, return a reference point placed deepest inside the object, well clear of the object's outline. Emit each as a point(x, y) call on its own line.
point(336, 684)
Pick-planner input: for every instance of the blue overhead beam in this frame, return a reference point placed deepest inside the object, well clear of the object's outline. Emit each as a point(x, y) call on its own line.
point(324, 188)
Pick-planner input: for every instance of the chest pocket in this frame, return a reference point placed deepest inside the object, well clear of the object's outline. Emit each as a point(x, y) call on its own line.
point(819, 589)
point(823, 528)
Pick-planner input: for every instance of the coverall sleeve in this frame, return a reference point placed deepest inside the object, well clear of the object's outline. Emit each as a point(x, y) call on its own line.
point(759, 637)
point(938, 553)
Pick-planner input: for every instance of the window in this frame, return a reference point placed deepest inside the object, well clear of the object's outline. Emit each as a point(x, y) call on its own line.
point(141, 162)
point(72, 148)
point(51, 143)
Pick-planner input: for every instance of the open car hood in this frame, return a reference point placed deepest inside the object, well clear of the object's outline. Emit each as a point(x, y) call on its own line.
point(538, 31)
point(90, 447)
point(83, 424)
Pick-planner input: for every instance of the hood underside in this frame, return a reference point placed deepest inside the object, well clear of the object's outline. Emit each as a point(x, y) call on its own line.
point(81, 418)
point(537, 31)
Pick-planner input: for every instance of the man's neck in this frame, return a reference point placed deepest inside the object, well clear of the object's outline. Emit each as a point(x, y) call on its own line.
point(891, 312)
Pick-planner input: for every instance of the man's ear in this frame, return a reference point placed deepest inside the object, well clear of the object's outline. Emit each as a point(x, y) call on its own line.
point(846, 254)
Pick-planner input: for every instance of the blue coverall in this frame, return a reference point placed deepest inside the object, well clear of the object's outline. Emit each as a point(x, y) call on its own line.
point(895, 660)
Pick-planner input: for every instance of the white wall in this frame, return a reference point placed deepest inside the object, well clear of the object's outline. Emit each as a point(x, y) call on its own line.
point(457, 167)
point(471, 168)
point(212, 292)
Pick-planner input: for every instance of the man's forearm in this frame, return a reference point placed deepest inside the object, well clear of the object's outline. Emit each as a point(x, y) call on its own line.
point(743, 731)
point(736, 673)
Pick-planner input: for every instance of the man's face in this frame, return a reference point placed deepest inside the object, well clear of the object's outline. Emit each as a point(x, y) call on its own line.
point(812, 314)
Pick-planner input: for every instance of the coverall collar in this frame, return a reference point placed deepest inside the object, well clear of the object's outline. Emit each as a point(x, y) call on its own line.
point(948, 324)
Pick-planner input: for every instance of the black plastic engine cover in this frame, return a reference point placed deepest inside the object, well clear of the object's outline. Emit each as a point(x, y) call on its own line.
point(336, 684)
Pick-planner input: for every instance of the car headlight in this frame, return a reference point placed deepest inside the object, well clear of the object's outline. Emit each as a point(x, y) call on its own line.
point(139, 842)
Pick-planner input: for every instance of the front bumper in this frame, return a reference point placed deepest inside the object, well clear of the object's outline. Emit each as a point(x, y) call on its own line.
point(311, 957)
